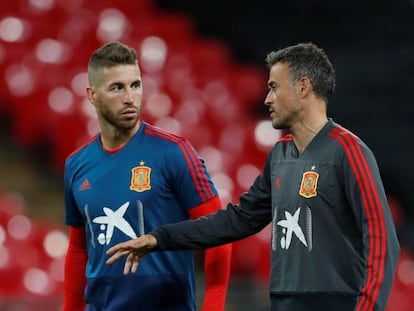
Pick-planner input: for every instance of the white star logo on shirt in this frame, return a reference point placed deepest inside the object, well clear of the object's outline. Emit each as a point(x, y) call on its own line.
point(290, 225)
point(111, 220)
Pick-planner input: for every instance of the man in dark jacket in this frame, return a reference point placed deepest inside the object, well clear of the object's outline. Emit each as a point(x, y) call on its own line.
point(333, 244)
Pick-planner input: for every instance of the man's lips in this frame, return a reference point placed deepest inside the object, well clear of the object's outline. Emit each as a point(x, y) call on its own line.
point(130, 113)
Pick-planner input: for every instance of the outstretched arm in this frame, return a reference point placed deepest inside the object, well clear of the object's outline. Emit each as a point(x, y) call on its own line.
point(222, 227)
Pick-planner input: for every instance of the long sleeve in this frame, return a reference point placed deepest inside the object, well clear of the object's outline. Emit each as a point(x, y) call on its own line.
point(74, 273)
point(217, 274)
point(216, 264)
point(224, 226)
point(367, 197)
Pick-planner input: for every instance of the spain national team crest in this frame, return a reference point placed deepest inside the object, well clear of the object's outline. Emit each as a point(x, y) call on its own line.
point(140, 178)
point(309, 184)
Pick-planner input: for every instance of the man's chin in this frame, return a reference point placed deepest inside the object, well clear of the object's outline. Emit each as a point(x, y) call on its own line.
point(279, 126)
point(128, 125)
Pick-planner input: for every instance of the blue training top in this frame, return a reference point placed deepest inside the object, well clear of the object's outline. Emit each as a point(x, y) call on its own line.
point(118, 195)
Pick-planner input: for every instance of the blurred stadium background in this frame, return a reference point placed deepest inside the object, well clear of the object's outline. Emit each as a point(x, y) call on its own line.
point(204, 77)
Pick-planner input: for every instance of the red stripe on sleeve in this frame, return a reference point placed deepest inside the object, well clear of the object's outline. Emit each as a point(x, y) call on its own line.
point(379, 257)
point(375, 218)
point(200, 176)
point(196, 169)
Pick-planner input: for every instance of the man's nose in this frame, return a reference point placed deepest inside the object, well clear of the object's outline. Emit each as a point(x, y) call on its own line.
point(130, 96)
point(268, 100)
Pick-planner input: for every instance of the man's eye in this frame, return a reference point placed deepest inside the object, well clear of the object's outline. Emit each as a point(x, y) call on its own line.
point(136, 85)
point(116, 88)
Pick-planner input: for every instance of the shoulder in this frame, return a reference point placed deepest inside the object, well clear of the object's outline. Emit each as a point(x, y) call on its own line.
point(169, 145)
point(344, 136)
point(80, 151)
point(162, 135)
point(284, 141)
point(348, 143)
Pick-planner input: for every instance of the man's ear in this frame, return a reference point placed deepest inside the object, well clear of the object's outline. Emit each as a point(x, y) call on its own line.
point(304, 86)
point(90, 92)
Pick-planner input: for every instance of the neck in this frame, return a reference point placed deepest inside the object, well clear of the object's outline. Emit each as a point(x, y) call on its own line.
point(304, 132)
point(114, 138)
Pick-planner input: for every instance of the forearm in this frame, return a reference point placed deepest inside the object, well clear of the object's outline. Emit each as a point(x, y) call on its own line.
point(224, 226)
point(217, 273)
point(74, 273)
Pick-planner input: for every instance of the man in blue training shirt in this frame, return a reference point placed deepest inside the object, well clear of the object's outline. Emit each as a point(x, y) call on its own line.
point(333, 244)
point(129, 179)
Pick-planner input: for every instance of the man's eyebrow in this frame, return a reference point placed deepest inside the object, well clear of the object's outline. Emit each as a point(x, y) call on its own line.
point(116, 83)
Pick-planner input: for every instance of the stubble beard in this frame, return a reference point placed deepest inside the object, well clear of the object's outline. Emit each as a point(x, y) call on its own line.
point(287, 122)
point(123, 126)
point(279, 125)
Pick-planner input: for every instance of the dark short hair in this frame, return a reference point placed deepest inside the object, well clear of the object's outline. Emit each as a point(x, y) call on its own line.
point(307, 60)
point(112, 54)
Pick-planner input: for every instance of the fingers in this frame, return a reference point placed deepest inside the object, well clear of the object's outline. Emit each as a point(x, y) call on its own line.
point(135, 264)
point(131, 264)
point(119, 250)
point(122, 249)
point(118, 247)
point(128, 263)
point(116, 256)
point(135, 249)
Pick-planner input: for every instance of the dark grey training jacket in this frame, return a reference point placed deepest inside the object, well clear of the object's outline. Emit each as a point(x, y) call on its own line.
point(333, 243)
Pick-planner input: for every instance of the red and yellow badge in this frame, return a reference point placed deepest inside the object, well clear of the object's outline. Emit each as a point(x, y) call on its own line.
point(140, 178)
point(309, 183)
